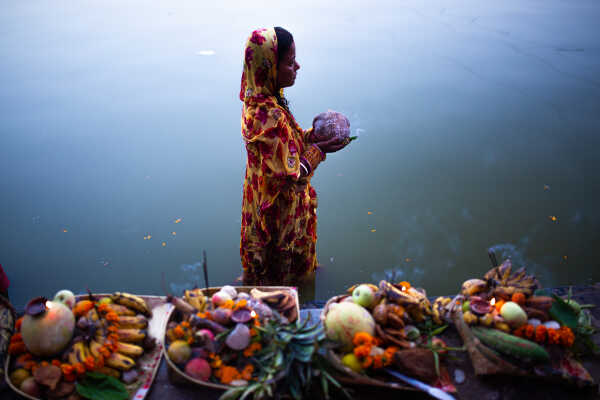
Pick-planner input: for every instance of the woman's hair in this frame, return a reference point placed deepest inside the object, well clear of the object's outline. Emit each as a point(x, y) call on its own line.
point(284, 42)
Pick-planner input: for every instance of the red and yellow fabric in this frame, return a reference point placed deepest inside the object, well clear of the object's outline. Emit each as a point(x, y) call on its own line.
point(279, 223)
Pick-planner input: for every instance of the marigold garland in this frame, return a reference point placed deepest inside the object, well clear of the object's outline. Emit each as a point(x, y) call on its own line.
point(563, 336)
point(518, 298)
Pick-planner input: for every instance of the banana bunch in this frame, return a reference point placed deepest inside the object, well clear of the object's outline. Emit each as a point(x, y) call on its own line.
point(473, 286)
point(438, 309)
point(116, 340)
point(505, 282)
point(196, 298)
point(134, 302)
point(279, 300)
point(415, 302)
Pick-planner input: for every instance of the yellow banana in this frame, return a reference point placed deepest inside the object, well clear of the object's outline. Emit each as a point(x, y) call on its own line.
point(115, 373)
point(131, 335)
point(78, 352)
point(92, 315)
point(196, 298)
point(120, 362)
point(120, 310)
point(136, 322)
point(132, 301)
point(95, 348)
point(439, 310)
point(130, 350)
point(473, 286)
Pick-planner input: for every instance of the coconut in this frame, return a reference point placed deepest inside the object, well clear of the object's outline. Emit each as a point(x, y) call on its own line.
point(329, 125)
point(344, 320)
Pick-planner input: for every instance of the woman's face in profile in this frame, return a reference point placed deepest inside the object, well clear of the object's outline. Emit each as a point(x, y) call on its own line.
point(286, 70)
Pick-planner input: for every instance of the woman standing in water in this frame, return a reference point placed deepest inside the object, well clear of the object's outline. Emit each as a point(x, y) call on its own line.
point(279, 221)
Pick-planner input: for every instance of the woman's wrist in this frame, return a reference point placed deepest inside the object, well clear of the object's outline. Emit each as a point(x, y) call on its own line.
point(311, 158)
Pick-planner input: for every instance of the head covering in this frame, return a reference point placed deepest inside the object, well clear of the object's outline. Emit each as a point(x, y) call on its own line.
point(259, 79)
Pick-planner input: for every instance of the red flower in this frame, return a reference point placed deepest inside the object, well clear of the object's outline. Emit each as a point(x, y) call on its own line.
point(249, 194)
point(249, 54)
point(260, 76)
point(255, 181)
point(257, 38)
point(293, 149)
point(262, 115)
point(252, 159)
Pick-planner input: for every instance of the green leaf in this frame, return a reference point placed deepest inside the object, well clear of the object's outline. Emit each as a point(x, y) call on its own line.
point(233, 393)
point(436, 359)
point(325, 386)
point(249, 390)
point(563, 313)
point(97, 386)
point(438, 330)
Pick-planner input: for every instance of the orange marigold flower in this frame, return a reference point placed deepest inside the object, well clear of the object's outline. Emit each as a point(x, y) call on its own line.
point(178, 332)
point(185, 324)
point(17, 337)
point(388, 355)
point(361, 338)
point(69, 377)
point(100, 362)
point(256, 322)
point(520, 331)
point(66, 369)
point(566, 336)
point(82, 307)
point(18, 324)
point(405, 285)
point(378, 361)
point(103, 308)
point(240, 304)
point(540, 333)
point(367, 362)
point(499, 304)
point(229, 374)
point(228, 304)
point(104, 351)
point(90, 363)
point(247, 372)
point(518, 298)
point(253, 332)
point(529, 331)
point(112, 328)
point(253, 348)
point(56, 362)
point(362, 351)
point(44, 363)
point(79, 368)
point(112, 316)
point(29, 365)
point(16, 348)
point(553, 336)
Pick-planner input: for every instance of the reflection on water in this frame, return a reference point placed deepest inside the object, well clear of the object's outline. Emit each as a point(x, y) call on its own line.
point(122, 160)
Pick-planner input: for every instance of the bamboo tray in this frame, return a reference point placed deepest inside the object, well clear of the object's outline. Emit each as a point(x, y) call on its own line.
point(176, 375)
point(148, 363)
point(348, 376)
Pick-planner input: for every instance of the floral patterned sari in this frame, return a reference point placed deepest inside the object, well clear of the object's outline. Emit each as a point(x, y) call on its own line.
point(279, 222)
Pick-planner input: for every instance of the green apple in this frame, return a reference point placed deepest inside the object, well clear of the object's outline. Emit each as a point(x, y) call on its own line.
point(364, 296)
point(105, 300)
point(66, 297)
point(352, 362)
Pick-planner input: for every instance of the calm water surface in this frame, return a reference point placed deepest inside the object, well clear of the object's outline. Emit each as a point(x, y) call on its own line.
point(122, 160)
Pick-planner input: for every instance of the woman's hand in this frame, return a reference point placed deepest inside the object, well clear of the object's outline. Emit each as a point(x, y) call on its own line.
point(332, 145)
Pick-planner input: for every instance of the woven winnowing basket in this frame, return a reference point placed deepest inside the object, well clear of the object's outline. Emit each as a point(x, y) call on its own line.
point(347, 375)
point(176, 375)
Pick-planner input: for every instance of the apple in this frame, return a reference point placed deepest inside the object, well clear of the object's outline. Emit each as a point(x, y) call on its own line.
point(364, 296)
point(66, 297)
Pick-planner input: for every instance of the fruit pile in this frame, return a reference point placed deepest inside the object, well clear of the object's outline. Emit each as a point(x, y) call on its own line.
point(507, 312)
point(387, 325)
point(59, 344)
point(215, 339)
